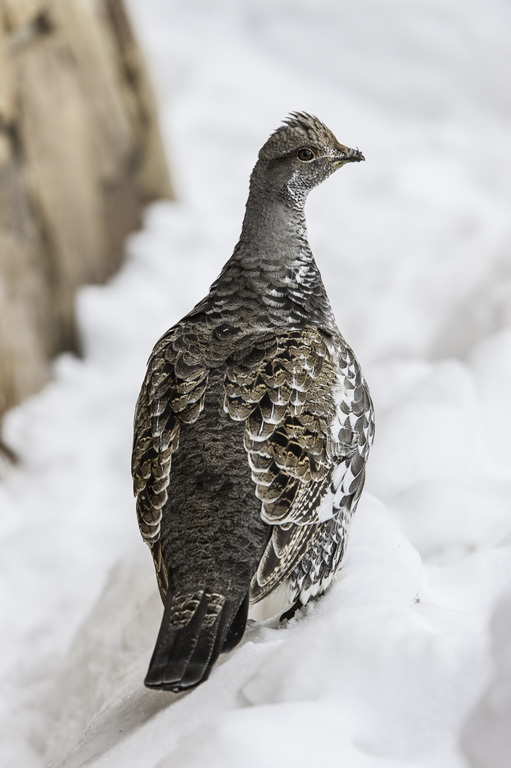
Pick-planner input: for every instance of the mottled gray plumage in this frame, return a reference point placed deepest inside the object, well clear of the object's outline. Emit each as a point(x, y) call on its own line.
point(253, 425)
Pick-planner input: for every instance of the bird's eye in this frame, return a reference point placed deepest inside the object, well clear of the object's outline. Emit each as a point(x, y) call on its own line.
point(305, 154)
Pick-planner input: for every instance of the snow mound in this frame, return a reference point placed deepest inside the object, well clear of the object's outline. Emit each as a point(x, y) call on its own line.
point(486, 738)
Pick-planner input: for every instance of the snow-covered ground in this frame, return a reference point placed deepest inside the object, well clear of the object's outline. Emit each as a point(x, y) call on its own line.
point(401, 664)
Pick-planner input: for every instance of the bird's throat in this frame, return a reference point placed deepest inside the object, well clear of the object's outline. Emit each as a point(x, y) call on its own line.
point(274, 226)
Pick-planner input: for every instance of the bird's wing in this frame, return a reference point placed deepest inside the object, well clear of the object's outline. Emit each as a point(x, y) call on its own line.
point(172, 393)
point(307, 417)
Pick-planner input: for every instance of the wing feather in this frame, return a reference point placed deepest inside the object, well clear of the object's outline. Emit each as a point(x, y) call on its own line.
point(305, 409)
point(172, 394)
point(308, 428)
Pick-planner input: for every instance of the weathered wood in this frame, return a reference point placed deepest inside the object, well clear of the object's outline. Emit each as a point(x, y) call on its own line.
point(6, 85)
point(18, 13)
point(26, 321)
point(80, 154)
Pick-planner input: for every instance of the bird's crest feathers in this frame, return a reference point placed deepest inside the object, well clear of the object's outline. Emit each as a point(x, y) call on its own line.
point(298, 128)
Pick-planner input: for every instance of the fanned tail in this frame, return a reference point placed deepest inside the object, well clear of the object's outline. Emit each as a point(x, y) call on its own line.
point(196, 628)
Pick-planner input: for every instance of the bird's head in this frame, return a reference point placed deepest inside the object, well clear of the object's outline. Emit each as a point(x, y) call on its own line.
point(301, 154)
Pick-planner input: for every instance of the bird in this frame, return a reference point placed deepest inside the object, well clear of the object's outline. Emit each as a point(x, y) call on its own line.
point(252, 428)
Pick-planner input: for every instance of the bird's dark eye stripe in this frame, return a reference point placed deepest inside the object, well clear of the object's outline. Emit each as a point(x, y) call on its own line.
point(305, 154)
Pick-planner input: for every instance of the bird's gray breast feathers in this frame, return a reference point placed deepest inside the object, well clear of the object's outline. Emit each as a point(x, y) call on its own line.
point(308, 427)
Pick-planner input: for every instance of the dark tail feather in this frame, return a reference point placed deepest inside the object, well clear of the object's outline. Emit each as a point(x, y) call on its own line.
point(237, 629)
point(194, 631)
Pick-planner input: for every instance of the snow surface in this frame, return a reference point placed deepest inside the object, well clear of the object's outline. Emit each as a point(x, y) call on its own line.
point(400, 663)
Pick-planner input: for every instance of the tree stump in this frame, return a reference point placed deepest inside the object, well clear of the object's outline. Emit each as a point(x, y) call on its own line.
point(80, 154)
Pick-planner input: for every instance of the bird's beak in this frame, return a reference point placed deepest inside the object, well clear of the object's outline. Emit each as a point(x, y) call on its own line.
point(346, 155)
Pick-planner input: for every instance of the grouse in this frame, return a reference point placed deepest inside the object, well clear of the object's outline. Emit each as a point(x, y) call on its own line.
point(253, 426)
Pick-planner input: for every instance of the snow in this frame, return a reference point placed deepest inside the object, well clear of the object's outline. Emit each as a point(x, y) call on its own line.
point(486, 737)
point(405, 661)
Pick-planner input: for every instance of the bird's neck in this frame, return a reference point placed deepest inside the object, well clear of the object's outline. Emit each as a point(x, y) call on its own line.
point(272, 268)
point(274, 224)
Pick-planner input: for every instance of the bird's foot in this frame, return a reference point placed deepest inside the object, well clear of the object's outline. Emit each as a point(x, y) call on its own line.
point(291, 611)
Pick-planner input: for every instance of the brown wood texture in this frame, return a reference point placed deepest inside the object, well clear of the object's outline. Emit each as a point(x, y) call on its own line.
point(80, 154)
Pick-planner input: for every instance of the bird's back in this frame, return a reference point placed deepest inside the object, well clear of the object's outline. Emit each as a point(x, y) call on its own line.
point(212, 515)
